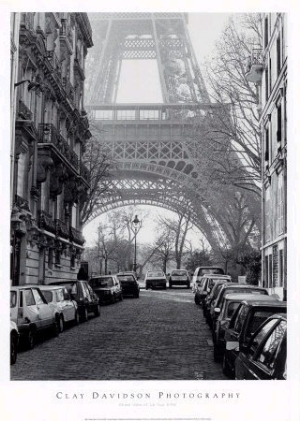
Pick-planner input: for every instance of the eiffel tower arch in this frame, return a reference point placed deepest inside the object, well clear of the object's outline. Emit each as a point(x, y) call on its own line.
point(159, 160)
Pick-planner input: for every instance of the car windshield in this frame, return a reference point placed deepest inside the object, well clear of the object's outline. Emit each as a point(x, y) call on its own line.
point(210, 271)
point(126, 278)
point(231, 308)
point(178, 273)
point(102, 282)
point(48, 295)
point(13, 299)
point(155, 275)
point(71, 286)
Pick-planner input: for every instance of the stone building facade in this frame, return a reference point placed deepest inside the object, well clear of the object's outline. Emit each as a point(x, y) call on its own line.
point(49, 181)
point(268, 69)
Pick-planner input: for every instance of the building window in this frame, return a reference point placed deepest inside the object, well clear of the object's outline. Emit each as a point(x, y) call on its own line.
point(267, 142)
point(270, 75)
point(266, 277)
point(267, 83)
point(270, 271)
point(72, 260)
point(278, 54)
point(279, 122)
point(281, 204)
point(267, 216)
point(57, 256)
point(50, 259)
point(266, 32)
point(280, 268)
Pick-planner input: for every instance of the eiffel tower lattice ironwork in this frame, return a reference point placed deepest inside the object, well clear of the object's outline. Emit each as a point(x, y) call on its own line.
point(159, 158)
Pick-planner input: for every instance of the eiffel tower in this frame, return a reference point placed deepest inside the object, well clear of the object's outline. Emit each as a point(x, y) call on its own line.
point(159, 158)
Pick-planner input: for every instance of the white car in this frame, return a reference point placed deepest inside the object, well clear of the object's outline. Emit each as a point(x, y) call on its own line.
point(65, 309)
point(31, 313)
point(155, 279)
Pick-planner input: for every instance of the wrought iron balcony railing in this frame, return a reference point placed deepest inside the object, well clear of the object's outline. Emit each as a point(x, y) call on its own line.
point(53, 59)
point(62, 229)
point(49, 134)
point(76, 236)
point(254, 66)
point(46, 222)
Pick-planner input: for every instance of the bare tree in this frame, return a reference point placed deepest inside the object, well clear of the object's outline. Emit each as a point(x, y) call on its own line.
point(99, 166)
point(237, 97)
point(178, 230)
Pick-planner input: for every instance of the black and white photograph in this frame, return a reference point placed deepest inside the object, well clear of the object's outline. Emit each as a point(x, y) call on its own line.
point(152, 213)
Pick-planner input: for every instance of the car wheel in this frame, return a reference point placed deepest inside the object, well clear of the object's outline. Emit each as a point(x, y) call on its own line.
point(76, 319)
point(56, 326)
point(84, 315)
point(97, 310)
point(217, 354)
point(13, 348)
point(121, 297)
point(137, 294)
point(197, 300)
point(170, 285)
point(226, 369)
point(188, 285)
point(31, 338)
point(61, 324)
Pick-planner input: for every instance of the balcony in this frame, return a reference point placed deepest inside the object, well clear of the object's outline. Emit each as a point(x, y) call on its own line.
point(53, 59)
point(68, 87)
point(66, 35)
point(24, 112)
point(49, 134)
point(84, 172)
point(76, 236)
point(255, 66)
point(62, 229)
point(46, 222)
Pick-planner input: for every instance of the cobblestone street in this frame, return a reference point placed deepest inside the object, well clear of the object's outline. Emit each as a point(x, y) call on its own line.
point(160, 336)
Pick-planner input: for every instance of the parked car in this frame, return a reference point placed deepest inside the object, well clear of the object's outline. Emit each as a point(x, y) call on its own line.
point(206, 285)
point(212, 295)
point(249, 315)
point(129, 284)
point(31, 313)
point(179, 277)
point(154, 279)
point(231, 288)
point(14, 342)
point(107, 287)
point(229, 304)
point(65, 309)
point(203, 270)
point(80, 291)
point(264, 357)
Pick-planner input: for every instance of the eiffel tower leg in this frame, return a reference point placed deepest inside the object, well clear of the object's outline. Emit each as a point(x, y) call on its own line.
point(159, 63)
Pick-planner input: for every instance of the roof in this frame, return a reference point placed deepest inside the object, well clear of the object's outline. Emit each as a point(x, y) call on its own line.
point(251, 297)
point(50, 287)
point(246, 286)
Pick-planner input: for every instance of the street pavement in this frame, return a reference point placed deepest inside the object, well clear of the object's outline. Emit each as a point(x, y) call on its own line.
point(160, 336)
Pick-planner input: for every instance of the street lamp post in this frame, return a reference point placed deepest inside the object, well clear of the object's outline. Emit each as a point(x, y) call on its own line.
point(135, 223)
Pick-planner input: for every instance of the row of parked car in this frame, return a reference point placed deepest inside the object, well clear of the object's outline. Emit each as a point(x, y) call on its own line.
point(248, 327)
point(36, 308)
